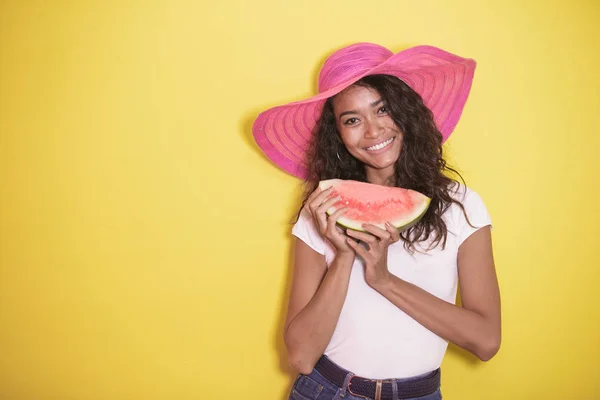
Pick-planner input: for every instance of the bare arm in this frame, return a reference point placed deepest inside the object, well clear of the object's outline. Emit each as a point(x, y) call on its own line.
point(316, 300)
point(476, 326)
point(318, 293)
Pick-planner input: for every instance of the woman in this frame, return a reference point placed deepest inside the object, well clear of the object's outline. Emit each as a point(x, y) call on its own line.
point(370, 314)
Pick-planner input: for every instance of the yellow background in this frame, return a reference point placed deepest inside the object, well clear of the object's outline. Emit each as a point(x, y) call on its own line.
point(144, 239)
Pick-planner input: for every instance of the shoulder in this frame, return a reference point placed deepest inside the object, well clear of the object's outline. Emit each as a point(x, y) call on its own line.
point(475, 214)
point(468, 198)
point(461, 192)
point(306, 230)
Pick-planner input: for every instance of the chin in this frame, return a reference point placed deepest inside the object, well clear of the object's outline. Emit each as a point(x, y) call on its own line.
point(385, 163)
point(384, 166)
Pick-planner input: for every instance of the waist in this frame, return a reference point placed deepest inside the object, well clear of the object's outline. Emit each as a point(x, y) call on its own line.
point(379, 389)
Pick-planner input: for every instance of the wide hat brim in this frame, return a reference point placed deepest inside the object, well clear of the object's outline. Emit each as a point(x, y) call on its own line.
point(442, 79)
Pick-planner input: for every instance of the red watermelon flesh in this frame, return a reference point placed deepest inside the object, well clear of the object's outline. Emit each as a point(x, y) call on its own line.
point(375, 204)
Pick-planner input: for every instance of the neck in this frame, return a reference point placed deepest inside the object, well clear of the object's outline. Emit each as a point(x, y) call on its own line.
point(382, 177)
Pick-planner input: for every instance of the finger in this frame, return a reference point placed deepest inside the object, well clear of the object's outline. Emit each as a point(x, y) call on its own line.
point(319, 197)
point(325, 206)
point(382, 234)
point(365, 237)
point(337, 214)
point(332, 221)
point(394, 232)
point(320, 213)
point(361, 251)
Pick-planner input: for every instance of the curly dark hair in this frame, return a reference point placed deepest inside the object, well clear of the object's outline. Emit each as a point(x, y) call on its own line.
point(420, 166)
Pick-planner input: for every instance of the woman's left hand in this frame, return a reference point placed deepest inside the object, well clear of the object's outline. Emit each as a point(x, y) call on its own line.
point(375, 257)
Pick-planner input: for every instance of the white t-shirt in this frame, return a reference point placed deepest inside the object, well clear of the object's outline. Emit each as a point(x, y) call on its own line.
point(373, 337)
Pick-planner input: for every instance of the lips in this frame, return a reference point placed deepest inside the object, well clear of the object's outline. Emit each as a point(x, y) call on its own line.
point(382, 145)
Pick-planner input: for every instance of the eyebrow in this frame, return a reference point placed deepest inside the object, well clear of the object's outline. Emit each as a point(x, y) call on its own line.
point(373, 104)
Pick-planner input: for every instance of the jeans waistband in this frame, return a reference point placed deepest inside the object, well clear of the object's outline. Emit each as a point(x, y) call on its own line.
point(379, 389)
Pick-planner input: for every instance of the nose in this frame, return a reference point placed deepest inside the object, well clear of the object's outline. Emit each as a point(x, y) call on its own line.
point(374, 128)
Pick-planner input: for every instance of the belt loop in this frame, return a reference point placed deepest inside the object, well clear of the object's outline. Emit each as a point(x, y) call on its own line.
point(378, 389)
point(394, 390)
point(341, 393)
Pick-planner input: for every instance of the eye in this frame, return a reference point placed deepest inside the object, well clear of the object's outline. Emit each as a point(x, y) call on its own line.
point(350, 121)
point(383, 110)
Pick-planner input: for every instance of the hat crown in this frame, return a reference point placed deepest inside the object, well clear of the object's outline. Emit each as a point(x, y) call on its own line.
point(350, 62)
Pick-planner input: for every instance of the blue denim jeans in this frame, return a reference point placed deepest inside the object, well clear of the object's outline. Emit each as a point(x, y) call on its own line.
point(315, 387)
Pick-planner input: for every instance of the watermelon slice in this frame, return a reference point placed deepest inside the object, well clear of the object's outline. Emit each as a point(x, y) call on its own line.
point(375, 204)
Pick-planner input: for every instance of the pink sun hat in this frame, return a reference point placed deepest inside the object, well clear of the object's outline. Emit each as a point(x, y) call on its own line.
point(442, 79)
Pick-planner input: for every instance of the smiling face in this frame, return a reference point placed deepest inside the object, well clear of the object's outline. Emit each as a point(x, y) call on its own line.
point(368, 131)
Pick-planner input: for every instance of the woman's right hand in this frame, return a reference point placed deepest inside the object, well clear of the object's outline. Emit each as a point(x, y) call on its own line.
point(318, 203)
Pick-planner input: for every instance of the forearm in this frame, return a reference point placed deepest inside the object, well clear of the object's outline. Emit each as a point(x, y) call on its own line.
point(311, 329)
point(465, 328)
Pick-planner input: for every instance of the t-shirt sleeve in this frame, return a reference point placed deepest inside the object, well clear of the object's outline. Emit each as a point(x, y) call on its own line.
point(477, 213)
point(305, 229)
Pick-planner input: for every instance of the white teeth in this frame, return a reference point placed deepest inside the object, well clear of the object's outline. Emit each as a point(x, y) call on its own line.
point(380, 145)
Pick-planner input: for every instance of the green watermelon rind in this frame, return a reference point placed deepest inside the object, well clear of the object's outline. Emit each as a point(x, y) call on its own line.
point(407, 223)
point(404, 224)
